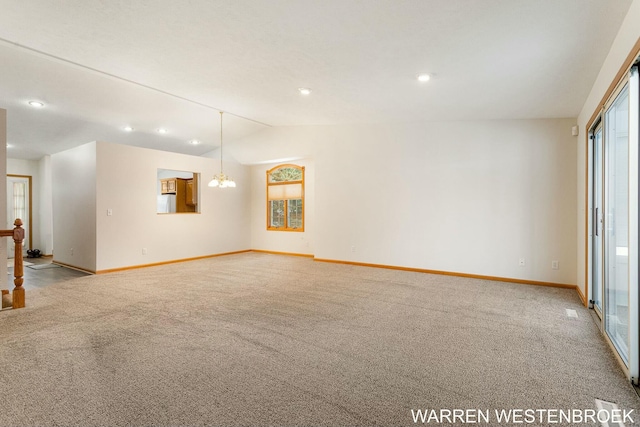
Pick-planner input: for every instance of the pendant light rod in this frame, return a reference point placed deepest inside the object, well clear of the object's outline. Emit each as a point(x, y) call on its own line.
point(221, 112)
point(222, 180)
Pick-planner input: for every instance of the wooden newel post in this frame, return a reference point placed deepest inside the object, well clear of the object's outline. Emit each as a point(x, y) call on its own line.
point(18, 291)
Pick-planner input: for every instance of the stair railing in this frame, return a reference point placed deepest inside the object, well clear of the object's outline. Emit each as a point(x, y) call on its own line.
point(17, 300)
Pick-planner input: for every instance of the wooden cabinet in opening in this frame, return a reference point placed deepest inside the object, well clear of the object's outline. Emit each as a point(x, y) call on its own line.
point(185, 190)
point(168, 185)
point(192, 191)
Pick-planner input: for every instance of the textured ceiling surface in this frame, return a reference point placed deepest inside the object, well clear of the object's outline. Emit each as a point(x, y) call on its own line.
point(490, 59)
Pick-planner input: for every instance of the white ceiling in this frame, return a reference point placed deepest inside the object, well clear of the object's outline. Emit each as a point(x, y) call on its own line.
point(490, 59)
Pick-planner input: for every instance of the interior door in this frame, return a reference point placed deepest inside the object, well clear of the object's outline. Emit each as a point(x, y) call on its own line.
point(18, 206)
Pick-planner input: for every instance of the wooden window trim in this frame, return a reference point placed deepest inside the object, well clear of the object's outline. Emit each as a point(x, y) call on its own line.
point(286, 204)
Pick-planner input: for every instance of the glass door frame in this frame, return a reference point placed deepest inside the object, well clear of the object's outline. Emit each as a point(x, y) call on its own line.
point(596, 156)
point(631, 78)
point(616, 220)
point(634, 218)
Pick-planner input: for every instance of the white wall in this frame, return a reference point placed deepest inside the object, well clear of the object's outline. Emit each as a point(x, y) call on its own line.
point(628, 35)
point(46, 205)
point(74, 206)
point(126, 184)
point(467, 197)
point(3, 196)
point(30, 168)
point(282, 241)
point(23, 167)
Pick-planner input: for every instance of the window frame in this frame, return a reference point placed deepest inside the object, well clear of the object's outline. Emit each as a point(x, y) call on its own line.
point(286, 202)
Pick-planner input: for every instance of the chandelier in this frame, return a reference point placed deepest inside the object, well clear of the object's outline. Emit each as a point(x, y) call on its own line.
point(221, 180)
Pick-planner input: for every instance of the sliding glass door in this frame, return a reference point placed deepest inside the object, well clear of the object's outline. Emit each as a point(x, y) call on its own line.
point(616, 236)
point(614, 221)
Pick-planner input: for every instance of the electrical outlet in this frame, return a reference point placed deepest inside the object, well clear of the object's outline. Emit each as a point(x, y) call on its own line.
point(555, 265)
point(521, 262)
point(109, 212)
point(353, 248)
point(144, 251)
point(71, 251)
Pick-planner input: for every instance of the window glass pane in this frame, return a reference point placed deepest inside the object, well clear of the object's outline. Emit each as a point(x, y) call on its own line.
point(276, 213)
point(285, 174)
point(19, 200)
point(617, 224)
point(285, 198)
point(295, 213)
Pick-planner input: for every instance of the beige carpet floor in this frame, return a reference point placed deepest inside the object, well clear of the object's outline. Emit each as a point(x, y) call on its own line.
point(258, 339)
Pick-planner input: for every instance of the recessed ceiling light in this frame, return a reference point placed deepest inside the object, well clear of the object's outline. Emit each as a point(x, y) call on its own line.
point(194, 142)
point(162, 130)
point(128, 129)
point(36, 104)
point(304, 90)
point(424, 77)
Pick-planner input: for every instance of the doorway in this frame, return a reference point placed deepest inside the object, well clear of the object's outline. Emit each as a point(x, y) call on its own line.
point(19, 206)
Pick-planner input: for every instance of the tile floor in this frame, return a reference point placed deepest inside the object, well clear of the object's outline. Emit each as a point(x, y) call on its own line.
point(38, 278)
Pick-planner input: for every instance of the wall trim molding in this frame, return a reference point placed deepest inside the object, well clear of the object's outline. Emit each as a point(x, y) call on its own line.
point(282, 253)
point(333, 261)
point(173, 261)
point(451, 273)
point(582, 296)
point(73, 267)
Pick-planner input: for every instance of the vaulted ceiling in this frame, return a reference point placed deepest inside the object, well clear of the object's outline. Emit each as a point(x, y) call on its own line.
point(101, 65)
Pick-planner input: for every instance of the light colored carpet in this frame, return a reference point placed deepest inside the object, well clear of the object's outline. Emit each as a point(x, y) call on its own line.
point(258, 339)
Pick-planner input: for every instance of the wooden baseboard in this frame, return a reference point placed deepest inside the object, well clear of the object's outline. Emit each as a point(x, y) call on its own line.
point(73, 267)
point(174, 261)
point(451, 273)
point(361, 264)
point(282, 253)
point(582, 297)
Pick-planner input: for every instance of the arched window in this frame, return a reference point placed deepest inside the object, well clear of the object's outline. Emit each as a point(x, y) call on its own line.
point(285, 198)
